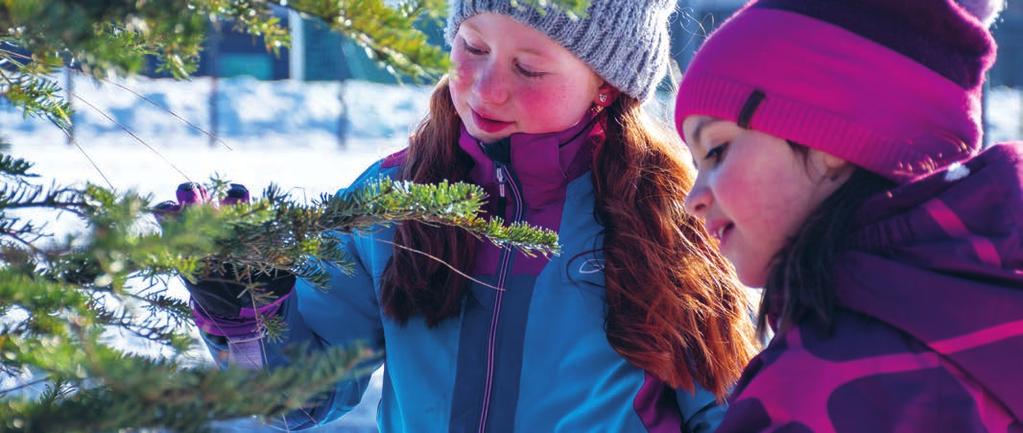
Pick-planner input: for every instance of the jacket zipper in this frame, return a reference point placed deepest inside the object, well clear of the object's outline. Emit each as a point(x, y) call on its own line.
point(503, 174)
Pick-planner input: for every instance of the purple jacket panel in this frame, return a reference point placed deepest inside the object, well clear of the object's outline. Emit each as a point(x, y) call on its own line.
point(929, 332)
point(865, 377)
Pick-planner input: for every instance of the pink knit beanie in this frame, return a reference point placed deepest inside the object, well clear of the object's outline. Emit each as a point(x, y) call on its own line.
point(893, 86)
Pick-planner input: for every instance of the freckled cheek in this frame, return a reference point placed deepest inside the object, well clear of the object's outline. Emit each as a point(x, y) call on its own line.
point(544, 108)
point(462, 76)
point(763, 209)
point(736, 193)
point(746, 203)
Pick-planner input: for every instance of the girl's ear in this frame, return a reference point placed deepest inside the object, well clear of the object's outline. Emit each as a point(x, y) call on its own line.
point(832, 167)
point(606, 95)
point(833, 162)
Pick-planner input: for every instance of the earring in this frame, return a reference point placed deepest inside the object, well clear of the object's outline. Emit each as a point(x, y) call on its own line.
point(603, 98)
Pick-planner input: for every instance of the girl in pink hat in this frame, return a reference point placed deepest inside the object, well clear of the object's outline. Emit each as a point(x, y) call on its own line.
point(841, 169)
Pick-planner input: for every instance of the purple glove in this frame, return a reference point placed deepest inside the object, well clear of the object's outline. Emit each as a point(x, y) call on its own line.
point(221, 305)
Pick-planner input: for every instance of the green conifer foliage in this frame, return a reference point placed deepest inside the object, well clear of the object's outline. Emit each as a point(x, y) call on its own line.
point(58, 296)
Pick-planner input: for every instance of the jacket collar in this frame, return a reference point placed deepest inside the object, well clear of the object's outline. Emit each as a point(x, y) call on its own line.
point(939, 258)
point(541, 164)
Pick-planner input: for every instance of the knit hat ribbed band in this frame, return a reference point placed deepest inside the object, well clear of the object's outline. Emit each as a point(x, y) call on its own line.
point(893, 86)
point(625, 41)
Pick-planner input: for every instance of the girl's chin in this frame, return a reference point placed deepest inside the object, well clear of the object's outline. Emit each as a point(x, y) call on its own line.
point(751, 279)
point(754, 284)
point(487, 137)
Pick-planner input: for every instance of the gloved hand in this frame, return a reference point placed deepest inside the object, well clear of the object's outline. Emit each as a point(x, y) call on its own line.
point(220, 295)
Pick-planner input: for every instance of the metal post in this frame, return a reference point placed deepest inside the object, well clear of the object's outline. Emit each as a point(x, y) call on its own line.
point(344, 73)
point(296, 54)
point(342, 123)
point(214, 56)
point(69, 89)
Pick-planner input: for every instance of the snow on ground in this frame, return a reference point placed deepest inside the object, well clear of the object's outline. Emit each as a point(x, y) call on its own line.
point(282, 132)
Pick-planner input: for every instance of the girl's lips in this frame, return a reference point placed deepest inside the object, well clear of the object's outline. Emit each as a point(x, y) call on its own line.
point(487, 124)
point(720, 231)
point(723, 237)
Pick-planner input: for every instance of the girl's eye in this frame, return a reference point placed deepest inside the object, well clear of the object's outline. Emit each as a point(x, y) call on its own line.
point(716, 153)
point(528, 72)
point(471, 49)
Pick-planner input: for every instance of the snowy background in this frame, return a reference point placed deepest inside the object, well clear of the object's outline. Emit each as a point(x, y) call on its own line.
point(285, 132)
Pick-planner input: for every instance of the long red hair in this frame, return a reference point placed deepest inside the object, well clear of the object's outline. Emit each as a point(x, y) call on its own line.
point(675, 308)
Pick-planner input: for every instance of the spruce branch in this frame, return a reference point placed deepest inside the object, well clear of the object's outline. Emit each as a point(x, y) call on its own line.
point(141, 393)
point(146, 321)
point(37, 96)
point(23, 195)
point(303, 238)
point(14, 168)
point(388, 33)
point(452, 204)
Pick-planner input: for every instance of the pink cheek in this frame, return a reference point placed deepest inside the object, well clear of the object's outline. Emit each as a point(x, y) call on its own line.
point(749, 206)
point(737, 195)
point(542, 106)
point(462, 76)
point(728, 184)
point(531, 100)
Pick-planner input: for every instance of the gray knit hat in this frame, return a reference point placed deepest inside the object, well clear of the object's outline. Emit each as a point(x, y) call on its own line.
point(625, 41)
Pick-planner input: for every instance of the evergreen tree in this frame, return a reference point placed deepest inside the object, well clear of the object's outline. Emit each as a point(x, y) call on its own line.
point(57, 297)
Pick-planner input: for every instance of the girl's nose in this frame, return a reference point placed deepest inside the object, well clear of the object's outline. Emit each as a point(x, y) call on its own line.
point(699, 199)
point(490, 87)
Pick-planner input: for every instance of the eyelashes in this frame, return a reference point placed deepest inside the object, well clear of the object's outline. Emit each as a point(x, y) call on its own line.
point(522, 70)
point(528, 73)
point(716, 154)
point(471, 49)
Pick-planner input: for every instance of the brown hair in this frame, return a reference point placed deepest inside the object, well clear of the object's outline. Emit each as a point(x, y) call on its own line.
point(674, 307)
point(800, 282)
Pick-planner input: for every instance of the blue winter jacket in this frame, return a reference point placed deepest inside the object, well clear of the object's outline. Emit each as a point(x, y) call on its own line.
point(531, 358)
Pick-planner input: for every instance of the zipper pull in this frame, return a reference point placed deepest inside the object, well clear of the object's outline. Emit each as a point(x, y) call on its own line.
point(502, 201)
point(500, 182)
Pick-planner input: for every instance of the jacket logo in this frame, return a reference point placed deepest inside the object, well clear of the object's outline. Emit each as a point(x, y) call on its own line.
point(591, 266)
